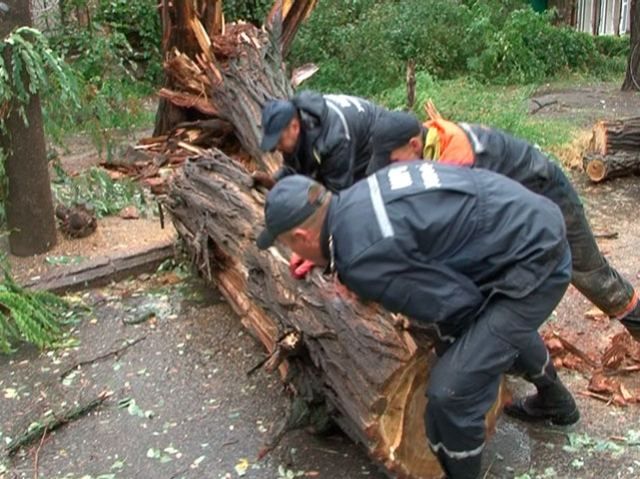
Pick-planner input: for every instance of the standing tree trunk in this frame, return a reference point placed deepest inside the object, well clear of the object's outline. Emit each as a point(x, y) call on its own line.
point(632, 78)
point(29, 204)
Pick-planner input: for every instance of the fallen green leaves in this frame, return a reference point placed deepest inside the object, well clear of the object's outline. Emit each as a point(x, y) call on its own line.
point(31, 316)
point(165, 455)
point(584, 442)
point(132, 408)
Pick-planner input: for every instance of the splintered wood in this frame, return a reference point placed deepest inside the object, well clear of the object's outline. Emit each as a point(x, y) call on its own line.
point(620, 358)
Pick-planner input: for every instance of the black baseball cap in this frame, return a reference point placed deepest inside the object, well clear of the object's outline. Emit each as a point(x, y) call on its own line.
point(392, 130)
point(287, 206)
point(276, 115)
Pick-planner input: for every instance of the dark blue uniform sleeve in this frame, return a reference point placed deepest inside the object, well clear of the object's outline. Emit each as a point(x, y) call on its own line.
point(336, 169)
point(431, 293)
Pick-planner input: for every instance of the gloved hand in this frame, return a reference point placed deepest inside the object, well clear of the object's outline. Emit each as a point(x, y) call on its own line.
point(300, 267)
point(260, 178)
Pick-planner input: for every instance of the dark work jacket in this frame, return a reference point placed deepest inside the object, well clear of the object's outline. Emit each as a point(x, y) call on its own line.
point(435, 242)
point(335, 143)
point(494, 150)
point(512, 157)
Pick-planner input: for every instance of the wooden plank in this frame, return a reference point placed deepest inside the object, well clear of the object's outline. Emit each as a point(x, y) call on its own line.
point(102, 270)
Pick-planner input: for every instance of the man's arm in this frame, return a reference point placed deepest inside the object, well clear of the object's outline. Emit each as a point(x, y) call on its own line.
point(432, 293)
point(336, 166)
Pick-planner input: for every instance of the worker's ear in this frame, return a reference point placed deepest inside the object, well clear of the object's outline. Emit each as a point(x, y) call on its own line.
point(416, 145)
point(294, 124)
point(299, 236)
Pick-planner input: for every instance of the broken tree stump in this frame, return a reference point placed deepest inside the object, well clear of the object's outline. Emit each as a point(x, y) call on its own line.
point(602, 167)
point(350, 360)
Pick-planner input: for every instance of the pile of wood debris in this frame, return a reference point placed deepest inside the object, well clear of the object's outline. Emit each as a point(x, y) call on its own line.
point(607, 372)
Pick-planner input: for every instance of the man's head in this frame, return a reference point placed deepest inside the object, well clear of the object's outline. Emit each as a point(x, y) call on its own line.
point(397, 137)
point(294, 214)
point(280, 126)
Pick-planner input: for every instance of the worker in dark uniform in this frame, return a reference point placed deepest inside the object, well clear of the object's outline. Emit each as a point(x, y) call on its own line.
point(325, 137)
point(470, 257)
point(476, 146)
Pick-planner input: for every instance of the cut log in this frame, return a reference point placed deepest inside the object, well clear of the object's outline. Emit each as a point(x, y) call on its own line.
point(613, 136)
point(354, 363)
point(600, 167)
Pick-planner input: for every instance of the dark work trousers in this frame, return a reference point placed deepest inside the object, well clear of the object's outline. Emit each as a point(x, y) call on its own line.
point(592, 274)
point(464, 383)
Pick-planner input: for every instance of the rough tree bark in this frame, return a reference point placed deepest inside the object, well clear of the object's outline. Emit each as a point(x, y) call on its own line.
point(29, 204)
point(632, 77)
point(612, 136)
point(343, 360)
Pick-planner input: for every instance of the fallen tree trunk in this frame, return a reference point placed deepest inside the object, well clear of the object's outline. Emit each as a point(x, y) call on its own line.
point(344, 360)
point(613, 136)
point(349, 360)
point(602, 167)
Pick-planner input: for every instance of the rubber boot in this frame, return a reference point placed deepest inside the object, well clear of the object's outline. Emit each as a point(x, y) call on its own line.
point(552, 403)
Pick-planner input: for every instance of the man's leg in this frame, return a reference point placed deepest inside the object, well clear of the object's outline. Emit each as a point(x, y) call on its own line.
point(593, 276)
point(464, 383)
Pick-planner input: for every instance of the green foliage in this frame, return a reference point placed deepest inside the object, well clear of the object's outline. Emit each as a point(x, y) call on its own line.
point(109, 111)
point(253, 11)
point(528, 48)
point(494, 41)
point(30, 316)
point(612, 46)
point(97, 189)
point(117, 61)
point(122, 38)
point(139, 24)
point(33, 69)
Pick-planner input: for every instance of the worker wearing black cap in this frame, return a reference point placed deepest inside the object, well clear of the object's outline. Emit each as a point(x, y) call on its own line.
point(325, 137)
point(470, 257)
point(489, 148)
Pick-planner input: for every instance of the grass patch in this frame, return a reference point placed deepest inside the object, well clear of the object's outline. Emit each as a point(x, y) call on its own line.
point(504, 107)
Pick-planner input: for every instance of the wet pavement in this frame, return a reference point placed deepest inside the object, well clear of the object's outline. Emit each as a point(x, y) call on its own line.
point(183, 406)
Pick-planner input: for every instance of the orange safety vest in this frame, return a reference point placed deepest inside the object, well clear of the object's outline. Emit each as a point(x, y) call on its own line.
point(447, 143)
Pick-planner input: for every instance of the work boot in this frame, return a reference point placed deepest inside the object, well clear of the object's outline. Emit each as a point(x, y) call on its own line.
point(552, 403)
point(631, 321)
